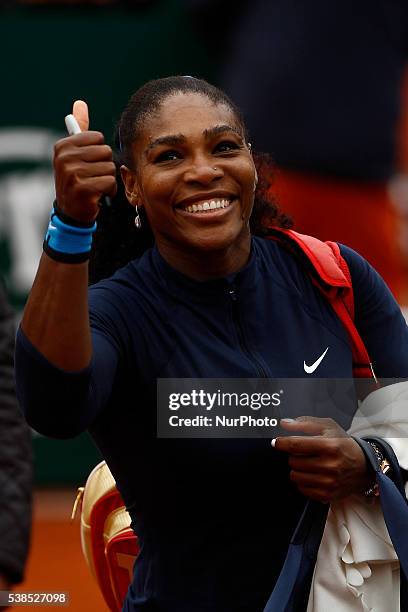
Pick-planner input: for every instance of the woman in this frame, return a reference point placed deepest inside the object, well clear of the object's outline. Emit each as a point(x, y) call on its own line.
point(214, 517)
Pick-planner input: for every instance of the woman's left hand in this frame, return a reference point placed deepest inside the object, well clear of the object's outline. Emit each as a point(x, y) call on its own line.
point(327, 464)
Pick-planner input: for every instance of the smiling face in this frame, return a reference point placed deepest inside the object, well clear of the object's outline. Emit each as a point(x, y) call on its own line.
point(194, 175)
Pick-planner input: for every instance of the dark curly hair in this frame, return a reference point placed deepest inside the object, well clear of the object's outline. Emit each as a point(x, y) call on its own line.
point(117, 241)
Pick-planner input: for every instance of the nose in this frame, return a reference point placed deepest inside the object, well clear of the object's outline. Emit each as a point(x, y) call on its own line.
point(203, 171)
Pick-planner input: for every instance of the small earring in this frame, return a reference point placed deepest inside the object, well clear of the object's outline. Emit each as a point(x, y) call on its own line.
point(138, 221)
point(215, 168)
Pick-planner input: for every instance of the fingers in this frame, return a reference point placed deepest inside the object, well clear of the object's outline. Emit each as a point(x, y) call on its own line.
point(303, 445)
point(96, 153)
point(84, 160)
point(319, 487)
point(323, 487)
point(320, 431)
point(94, 187)
point(316, 494)
point(86, 170)
point(324, 483)
point(304, 463)
point(310, 425)
point(325, 464)
point(81, 114)
point(98, 169)
point(329, 466)
point(319, 428)
point(81, 140)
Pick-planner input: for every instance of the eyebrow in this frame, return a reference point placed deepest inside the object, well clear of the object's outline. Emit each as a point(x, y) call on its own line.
point(221, 129)
point(173, 140)
point(177, 139)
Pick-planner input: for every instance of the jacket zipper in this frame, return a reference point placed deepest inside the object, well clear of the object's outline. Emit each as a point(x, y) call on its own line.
point(261, 373)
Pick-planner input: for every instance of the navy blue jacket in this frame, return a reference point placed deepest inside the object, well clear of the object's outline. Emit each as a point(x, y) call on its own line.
point(214, 516)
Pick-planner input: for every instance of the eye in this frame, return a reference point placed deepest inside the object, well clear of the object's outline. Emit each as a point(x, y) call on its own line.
point(167, 156)
point(225, 146)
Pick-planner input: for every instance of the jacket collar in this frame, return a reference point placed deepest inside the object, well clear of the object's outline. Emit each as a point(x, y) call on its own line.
point(211, 290)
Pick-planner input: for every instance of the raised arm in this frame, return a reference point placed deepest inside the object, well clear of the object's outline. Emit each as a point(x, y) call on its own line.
point(56, 319)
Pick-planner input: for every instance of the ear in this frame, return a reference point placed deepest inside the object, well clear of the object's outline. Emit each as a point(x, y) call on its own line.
point(131, 186)
point(256, 179)
point(256, 173)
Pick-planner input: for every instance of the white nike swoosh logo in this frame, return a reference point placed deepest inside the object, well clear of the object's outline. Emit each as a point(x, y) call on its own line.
point(310, 369)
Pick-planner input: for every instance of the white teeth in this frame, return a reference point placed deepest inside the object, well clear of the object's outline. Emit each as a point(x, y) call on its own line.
point(204, 206)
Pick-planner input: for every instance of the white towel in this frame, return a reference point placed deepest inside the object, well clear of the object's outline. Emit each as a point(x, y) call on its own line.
point(357, 569)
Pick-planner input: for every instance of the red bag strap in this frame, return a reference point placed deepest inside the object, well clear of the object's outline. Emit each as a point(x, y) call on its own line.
point(330, 273)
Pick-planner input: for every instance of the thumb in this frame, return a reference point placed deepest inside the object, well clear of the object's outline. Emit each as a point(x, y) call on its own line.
point(314, 426)
point(80, 112)
point(307, 424)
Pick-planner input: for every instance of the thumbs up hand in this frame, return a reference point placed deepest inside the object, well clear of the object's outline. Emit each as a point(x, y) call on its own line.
point(84, 170)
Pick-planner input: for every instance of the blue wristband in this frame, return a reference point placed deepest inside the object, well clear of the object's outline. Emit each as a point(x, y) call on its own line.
point(66, 242)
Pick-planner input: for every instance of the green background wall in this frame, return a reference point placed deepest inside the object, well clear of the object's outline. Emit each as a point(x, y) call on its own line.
point(50, 57)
